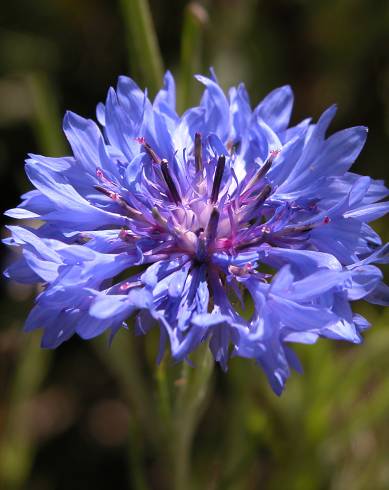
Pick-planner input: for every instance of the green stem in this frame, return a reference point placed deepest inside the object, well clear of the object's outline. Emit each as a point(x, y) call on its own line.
point(164, 402)
point(122, 359)
point(136, 452)
point(193, 389)
point(144, 54)
point(195, 20)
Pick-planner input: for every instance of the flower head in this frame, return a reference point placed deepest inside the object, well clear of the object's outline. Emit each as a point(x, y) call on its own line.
point(224, 225)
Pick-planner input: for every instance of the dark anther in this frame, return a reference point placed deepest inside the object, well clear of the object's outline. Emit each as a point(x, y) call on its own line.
point(212, 225)
point(132, 212)
point(291, 230)
point(169, 181)
point(149, 150)
point(264, 194)
point(201, 253)
point(104, 191)
point(199, 230)
point(218, 178)
point(256, 204)
point(261, 172)
point(198, 153)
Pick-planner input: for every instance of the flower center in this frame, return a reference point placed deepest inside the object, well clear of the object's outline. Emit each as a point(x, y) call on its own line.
point(214, 213)
point(206, 210)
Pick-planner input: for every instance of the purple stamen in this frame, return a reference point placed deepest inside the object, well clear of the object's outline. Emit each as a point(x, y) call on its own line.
point(261, 172)
point(149, 150)
point(218, 178)
point(201, 252)
point(101, 176)
point(198, 153)
point(263, 194)
point(243, 271)
point(256, 202)
point(130, 285)
point(212, 225)
point(125, 235)
point(170, 182)
point(134, 213)
point(302, 228)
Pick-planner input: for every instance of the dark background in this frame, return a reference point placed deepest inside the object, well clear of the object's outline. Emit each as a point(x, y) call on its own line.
point(63, 417)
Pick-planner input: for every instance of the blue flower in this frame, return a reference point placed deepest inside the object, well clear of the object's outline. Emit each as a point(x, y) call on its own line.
point(225, 225)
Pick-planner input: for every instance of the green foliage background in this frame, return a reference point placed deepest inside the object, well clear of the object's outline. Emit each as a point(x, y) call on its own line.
point(83, 416)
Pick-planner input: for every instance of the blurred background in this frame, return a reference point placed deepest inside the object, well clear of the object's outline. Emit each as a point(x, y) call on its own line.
point(64, 416)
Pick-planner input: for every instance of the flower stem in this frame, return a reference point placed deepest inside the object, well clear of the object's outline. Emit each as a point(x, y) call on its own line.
point(136, 451)
point(122, 359)
point(164, 401)
point(143, 50)
point(195, 20)
point(193, 389)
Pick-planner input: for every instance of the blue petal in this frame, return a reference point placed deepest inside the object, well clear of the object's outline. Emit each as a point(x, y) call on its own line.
point(303, 262)
point(302, 172)
point(380, 295)
point(83, 136)
point(217, 119)
point(370, 212)
point(276, 108)
point(240, 112)
point(365, 280)
point(165, 101)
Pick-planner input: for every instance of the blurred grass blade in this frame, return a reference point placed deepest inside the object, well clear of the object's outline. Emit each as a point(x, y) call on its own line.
point(143, 50)
point(196, 18)
point(17, 448)
point(46, 119)
point(122, 359)
point(164, 402)
point(192, 391)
